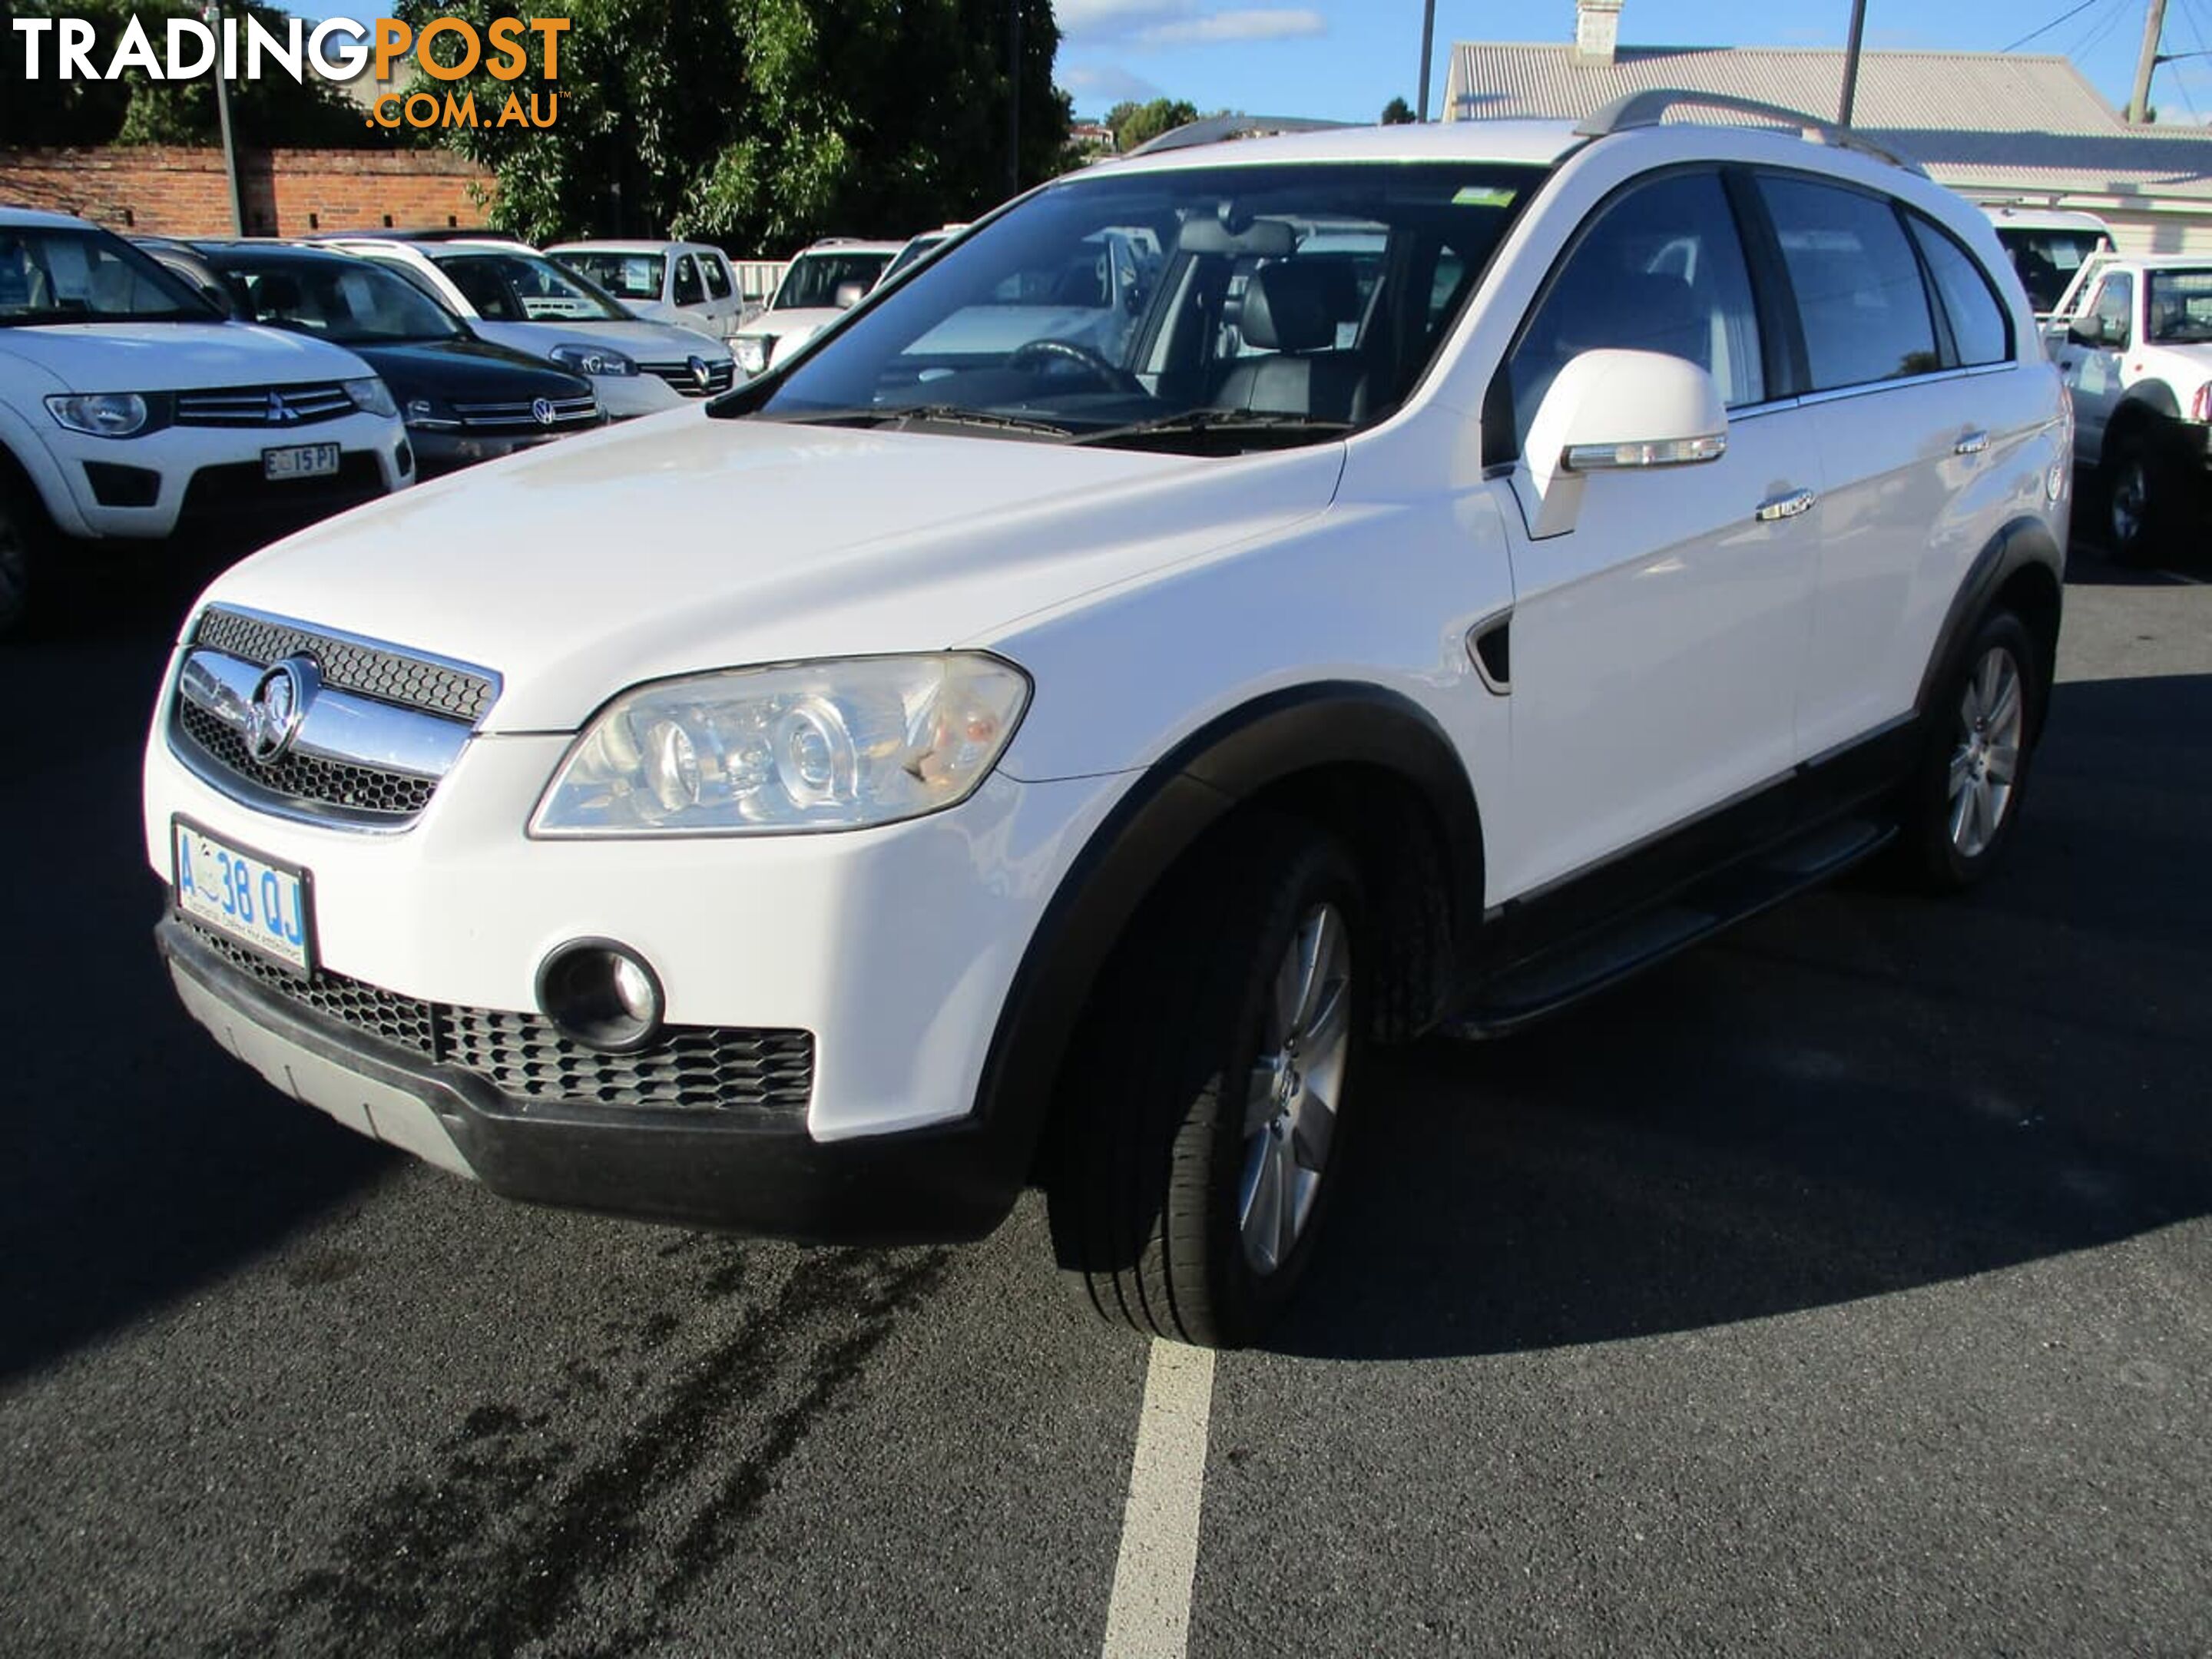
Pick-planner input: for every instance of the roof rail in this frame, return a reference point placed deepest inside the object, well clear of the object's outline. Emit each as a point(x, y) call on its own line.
point(1212, 129)
point(1649, 107)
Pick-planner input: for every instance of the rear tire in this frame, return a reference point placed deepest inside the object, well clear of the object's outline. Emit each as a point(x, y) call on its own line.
point(1965, 795)
point(1201, 1129)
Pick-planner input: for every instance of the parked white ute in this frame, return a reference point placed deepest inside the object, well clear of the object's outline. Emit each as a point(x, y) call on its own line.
point(925, 778)
point(131, 409)
point(819, 286)
point(679, 283)
point(2134, 336)
point(514, 297)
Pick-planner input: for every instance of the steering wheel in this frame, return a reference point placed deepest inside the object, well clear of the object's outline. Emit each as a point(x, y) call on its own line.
point(1036, 353)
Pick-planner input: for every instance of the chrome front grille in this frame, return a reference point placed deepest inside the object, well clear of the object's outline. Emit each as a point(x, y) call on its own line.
point(562, 415)
point(685, 379)
point(366, 745)
point(381, 671)
point(694, 1068)
point(263, 405)
point(369, 790)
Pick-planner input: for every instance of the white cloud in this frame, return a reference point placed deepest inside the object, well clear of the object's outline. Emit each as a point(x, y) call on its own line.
point(1109, 18)
point(1103, 84)
point(1182, 22)
point(1220, 26)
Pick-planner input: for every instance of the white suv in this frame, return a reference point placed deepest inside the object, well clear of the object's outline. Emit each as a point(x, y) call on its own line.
point(681, 283)
point(923, 774)
point(514, 297)
point(130, 407)
point(819, 287)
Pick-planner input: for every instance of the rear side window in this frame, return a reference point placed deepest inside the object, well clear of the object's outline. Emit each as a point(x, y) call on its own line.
point(718, 275)
point(1858, 288)
point(1660, 269)
point(1978, 321)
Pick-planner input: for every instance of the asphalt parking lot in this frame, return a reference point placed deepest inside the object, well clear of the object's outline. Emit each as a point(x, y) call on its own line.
point(1846, 1286)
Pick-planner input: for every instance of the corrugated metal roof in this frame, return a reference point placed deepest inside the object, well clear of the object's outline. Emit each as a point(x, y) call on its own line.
point(1975, 121)
point(1925, 91)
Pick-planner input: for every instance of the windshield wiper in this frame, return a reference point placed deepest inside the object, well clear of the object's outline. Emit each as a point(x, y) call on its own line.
point(927, 415)
point(1190, 421)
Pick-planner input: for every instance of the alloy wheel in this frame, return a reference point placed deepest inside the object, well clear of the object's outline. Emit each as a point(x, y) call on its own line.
point(2129, 502)
point(1985, 760)
point(1290, 1111)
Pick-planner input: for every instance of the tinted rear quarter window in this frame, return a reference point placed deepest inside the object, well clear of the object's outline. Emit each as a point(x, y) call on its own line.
point(1979, 330)
point(1859, 293)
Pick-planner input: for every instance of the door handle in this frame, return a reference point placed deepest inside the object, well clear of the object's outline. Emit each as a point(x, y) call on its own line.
point(1973, 444)
point(1785, 507)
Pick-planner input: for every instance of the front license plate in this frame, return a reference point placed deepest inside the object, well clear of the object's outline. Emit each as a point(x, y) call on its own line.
point(243, 895)
point(301, 461)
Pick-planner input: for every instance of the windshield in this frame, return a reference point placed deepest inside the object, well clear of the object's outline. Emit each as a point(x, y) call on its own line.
point(2047, 260)
point(348, 301)
point(1243, 305)
point(2180, 311)
point(68, 274)
point(813, 280)
point(526, 288)
point(625, 276)
point(910, 252)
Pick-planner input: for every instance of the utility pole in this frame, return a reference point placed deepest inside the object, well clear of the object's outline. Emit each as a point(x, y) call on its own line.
point(2146, 62)
point(1428, 43)
point(1852, 64)
point(1013, 97)
point(212, 15)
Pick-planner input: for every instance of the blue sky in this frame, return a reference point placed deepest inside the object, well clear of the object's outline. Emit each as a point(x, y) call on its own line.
point(1343, 60)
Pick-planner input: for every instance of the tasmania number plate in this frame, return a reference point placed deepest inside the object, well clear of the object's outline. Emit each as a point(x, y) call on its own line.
point(243, 895)
point(301, 461)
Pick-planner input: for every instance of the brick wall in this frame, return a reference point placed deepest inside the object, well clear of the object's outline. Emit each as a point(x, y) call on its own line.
point(161, 190)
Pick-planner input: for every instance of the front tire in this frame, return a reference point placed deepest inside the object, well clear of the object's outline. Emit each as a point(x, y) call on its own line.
point(1965, 795)
point(1201, 1124)
point(2144, 490)
point(23, 536)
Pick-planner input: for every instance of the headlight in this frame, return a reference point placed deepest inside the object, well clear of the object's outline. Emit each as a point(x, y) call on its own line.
point(752, 352)
point(371, 397)
point(100, 414)
point(428, 415)
point(821, 745)
point(592, 360)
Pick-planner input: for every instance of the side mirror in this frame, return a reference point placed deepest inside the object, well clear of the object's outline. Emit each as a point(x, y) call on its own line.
point(1615, 411)
point(848, 295)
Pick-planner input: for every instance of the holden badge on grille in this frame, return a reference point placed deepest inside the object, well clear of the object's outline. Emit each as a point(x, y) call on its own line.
point(280, 703)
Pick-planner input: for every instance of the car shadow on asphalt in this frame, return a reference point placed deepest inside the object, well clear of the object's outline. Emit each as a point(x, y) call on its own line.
point(1862, 1093)
point(137, 1160)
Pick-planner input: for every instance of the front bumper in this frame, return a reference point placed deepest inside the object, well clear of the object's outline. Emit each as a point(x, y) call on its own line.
point(210, 478)
point(746, 1171)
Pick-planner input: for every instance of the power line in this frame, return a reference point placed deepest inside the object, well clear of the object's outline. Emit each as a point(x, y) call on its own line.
point(2071, 11)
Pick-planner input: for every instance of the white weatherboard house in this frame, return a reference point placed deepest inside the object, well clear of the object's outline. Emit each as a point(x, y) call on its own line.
point(1994, 127)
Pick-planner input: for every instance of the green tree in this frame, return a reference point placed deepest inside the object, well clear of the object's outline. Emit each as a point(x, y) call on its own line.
point(274, 111)
point(761, 123)
point(1135, 124)
point(1397, 113)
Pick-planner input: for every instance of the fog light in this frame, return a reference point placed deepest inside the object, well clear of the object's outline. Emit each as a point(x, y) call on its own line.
point(602, 994)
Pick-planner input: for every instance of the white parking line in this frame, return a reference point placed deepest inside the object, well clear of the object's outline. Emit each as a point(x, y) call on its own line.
point(1148, 1617)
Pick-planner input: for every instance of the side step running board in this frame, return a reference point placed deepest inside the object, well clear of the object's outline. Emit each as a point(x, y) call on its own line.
point(1580, 967)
